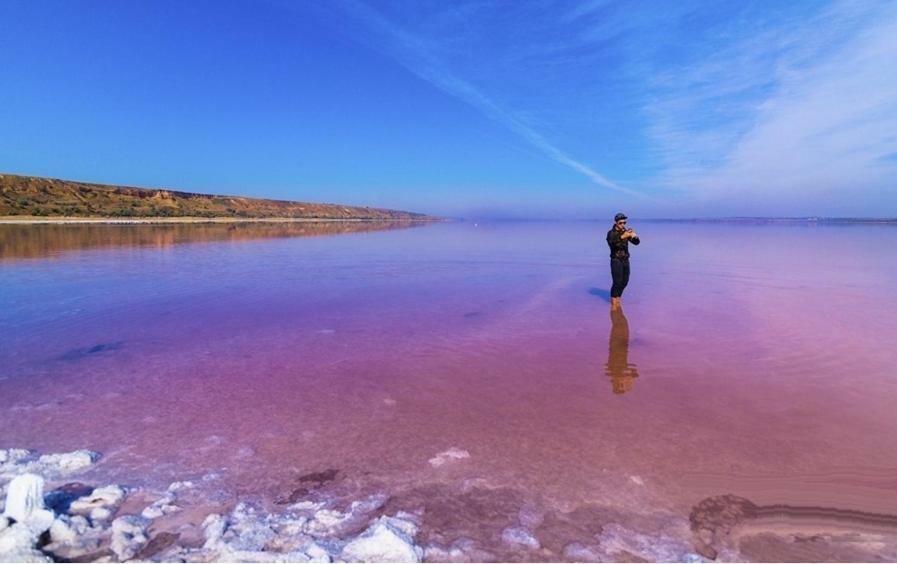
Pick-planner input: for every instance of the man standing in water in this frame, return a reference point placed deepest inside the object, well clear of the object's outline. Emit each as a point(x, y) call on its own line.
point(618, 239)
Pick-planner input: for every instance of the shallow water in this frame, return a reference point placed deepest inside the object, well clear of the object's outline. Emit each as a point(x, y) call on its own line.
point(755, 360)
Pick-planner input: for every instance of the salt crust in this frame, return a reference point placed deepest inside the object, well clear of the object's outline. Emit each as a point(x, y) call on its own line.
point(307, 531)
point(89, 524)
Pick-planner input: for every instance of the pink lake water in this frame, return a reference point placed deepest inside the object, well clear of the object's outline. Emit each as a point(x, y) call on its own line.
point(750, 359)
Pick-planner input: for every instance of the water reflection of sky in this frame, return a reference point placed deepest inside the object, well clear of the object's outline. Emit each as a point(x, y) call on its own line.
point(764, 353)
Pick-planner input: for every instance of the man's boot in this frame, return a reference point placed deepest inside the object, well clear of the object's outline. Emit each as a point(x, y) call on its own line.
point(615, 303)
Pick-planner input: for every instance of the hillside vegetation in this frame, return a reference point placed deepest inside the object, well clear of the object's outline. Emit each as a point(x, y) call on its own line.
point(47, 197)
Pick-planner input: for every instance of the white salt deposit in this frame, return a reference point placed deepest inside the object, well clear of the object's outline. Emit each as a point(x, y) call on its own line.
point(408, 523)
point(368, 504)
point(16, 461)
point(435, 553)
point(448, 456)
point(165, 504)
point(307, 532)
point(158, 508)
point(25, 501)
point(24, 519)
point(578, 552)
point(615, 538)
point(69, 461)
point(73, 535)
point(306, 506)
point(10, 456)
point(17, 544)
point(250, 536)
point(326, 520)
point(461, 550)
point(128, 536)
point(179, 486)
point(67, 528)
point(384, 541)
point(520, 537)
point(100, 504)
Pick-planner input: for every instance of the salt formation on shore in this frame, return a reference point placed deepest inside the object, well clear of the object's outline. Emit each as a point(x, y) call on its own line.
point(520, 536)
point(84, 523)
point(448, 456)
point(16, 461)
point(24, 520)
point(46, 517)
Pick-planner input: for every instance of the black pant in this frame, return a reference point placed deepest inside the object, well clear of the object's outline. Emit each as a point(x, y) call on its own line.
point(619, 270)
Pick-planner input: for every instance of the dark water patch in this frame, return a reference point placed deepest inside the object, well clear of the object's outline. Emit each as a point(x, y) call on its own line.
point(295, 496)
point(313, 481)
point(320, 478)
point(62, 497)
point(86, 352)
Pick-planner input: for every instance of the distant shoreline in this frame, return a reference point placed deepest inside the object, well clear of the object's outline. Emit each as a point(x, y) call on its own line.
point(12, 219)
point(36, 198)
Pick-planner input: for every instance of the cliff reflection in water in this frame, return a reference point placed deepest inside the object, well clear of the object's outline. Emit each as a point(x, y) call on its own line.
point(622, 374)
point(42, 240)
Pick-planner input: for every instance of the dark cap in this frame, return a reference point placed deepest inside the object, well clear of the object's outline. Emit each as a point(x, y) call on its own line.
point(620, 216)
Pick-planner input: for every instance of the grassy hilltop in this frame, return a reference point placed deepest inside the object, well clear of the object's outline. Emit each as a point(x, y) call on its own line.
point(49, 197)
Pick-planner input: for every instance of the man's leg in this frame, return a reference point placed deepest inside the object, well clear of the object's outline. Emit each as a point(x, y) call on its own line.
point(624, 276)
point(616, 272)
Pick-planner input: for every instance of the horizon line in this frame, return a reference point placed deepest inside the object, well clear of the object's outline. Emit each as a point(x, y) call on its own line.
point(807, 219)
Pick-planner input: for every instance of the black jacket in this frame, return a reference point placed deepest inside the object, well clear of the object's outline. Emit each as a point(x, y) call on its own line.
point(619, 248)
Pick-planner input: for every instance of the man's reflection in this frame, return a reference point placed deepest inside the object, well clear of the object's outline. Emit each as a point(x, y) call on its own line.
point(622, 374)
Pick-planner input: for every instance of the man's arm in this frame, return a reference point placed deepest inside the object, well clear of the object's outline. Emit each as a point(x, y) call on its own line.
point(632, 236)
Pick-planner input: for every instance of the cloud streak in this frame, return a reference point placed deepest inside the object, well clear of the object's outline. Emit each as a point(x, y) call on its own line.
point(417, 55)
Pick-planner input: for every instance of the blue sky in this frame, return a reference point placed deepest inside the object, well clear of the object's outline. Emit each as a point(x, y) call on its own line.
point(506, 109)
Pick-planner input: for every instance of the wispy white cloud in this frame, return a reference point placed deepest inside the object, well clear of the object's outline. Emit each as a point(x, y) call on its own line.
point(420, 56)
point(801, 115)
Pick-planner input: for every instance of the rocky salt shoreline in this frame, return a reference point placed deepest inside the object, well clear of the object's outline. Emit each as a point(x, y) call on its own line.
point(75, 522)
point(49, 516)
point(46, 515)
